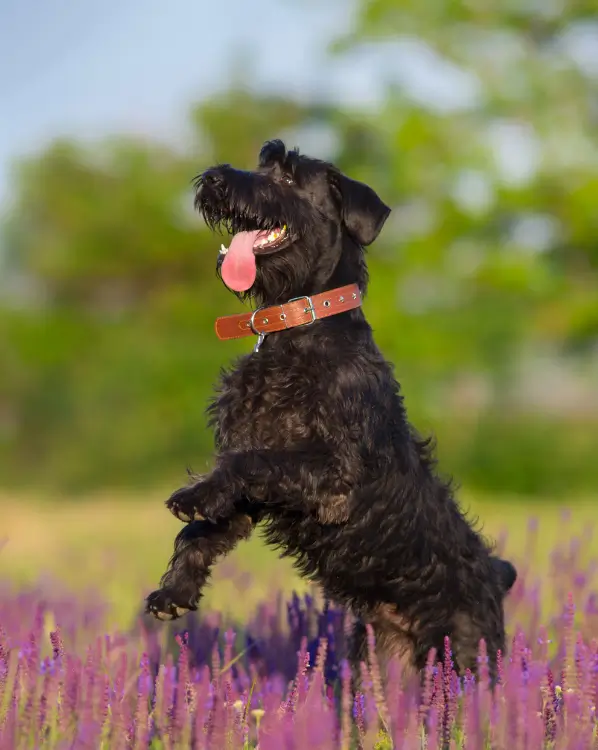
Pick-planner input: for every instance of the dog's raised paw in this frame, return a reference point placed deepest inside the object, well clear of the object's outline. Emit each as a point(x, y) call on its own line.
point(182, 515)
point(162, 606)
point(204, 501)
point(180, 504)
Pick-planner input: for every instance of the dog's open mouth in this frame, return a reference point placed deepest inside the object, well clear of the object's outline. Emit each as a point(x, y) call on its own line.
point(268, 242)
point(238, 267)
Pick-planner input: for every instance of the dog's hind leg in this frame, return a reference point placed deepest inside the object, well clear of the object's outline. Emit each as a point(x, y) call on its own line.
point(197, 547)
point(357, 653)
point(392, 639)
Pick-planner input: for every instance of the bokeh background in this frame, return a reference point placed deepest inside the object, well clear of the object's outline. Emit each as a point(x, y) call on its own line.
point(476, 122)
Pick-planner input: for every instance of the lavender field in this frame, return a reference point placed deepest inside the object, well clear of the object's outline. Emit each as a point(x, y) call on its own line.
point(277, 678)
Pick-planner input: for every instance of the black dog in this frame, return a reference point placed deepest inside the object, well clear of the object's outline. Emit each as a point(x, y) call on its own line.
point(311, 431)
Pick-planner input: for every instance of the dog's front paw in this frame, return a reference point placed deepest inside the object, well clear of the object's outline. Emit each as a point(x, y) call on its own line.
point(182, 506)
point(202, 501)
point(163, 604)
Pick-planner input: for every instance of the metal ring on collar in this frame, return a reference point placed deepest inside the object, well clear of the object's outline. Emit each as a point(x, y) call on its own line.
point(252, 320)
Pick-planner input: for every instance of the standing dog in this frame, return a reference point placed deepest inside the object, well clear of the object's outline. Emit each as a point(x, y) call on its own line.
point(311, 432)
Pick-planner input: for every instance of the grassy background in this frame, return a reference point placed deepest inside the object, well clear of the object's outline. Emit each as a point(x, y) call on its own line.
point(118, 545)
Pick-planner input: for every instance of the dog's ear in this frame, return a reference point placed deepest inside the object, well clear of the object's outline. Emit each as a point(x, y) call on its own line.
point(272, 152)
point(362, 210)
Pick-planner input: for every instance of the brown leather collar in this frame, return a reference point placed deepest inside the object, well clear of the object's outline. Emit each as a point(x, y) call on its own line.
point(296, 312)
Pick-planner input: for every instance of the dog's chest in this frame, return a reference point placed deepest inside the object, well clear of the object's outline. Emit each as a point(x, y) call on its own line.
point(263, 405)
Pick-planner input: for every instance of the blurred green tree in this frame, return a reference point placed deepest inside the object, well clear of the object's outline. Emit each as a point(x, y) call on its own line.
point(494, 170)
point(109, 292)
point(508, 170)
point(107, 351)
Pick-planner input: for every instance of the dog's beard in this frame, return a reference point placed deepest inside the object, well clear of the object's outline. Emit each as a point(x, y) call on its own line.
point(249, 208)
point(283, 268)
point(282, 276)
point(264, 260)
point(237, 201)
point(256, 228)
point(279, 277)
point(232, 220)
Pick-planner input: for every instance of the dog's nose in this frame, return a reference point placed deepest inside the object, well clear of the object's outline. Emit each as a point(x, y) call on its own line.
point(212, 178)
point(213, 181)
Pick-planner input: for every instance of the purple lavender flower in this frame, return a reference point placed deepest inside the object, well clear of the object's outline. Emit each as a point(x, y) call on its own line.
point(282, 678)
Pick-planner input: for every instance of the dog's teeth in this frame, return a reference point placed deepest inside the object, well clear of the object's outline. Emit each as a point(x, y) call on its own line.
point(223, 250)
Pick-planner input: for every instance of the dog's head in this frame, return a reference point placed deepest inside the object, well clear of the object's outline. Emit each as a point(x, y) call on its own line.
point(299, 225)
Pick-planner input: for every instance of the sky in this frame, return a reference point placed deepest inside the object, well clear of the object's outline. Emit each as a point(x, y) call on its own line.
point(86, 68)
point(89, 68)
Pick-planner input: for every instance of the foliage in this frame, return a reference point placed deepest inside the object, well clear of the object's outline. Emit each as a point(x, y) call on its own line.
point(489, 261)
point(509, 163)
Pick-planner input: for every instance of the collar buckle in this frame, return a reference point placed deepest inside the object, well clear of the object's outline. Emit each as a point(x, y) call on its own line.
point(309, 309)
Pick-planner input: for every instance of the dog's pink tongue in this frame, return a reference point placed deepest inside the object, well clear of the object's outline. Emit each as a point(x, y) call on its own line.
point(238, 267)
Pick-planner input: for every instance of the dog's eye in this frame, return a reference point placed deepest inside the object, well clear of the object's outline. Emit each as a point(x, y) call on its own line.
point(287, 179)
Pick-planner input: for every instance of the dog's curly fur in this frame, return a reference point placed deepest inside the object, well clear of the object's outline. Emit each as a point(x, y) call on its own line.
point(313, 440)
